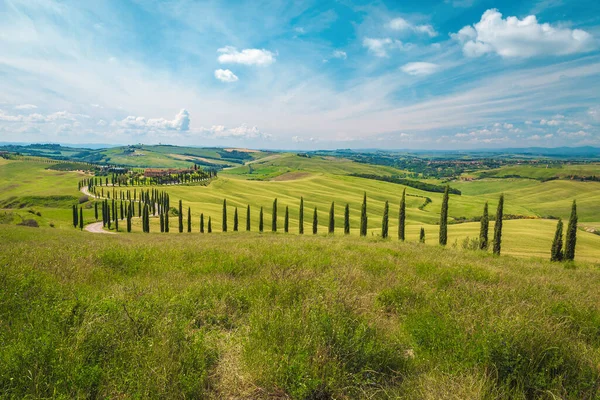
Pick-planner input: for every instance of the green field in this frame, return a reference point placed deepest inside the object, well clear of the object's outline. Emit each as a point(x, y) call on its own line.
point(545, 171)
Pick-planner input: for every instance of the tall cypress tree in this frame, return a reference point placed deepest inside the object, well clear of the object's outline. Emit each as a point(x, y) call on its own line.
point(116, 222)
point(202, 223)
point(209, 225)
point(315, 223)
point(235, 220)
point(129, 221)
point(556, 253)
point(122, 213)
point(274, 220)
point(422, 235)
point(444, 217)
point(483, 229)
point(189, 221)
point(260, 221)
point(224, 215)
point(347, 219)
point(180, 217)
point(571, 235)
point(96, 210)
point(301, 217)
point(248, 218)
point(497, 245)
point(81, 218)
point(363, 217)
point(332, 218)
point(402, 217)
point(385, 221)
point(75, 217)
point(104, 213)
point(167, 220)
point(286, 220)
point(162, 222)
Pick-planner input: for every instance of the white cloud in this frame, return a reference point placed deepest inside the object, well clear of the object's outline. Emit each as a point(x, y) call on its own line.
point(25, 107)
point(551, 122)
point(377, 46)
point(512, 37)
point(594, 113)
point(39, 118)
point(534, 137)
point(181, 122)
point(101, 123)
point(420, 68)
point(528, 122)
point(225, 75)
point(297, 139)
point(400, 24)
point(241, 132)
point(340, 54)
point(230, 55)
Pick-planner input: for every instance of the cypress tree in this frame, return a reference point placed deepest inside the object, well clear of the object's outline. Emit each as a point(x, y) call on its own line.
point(189, 221)
point(444, 218)
point(260, 220)
point(96, 210)
point(104, 213)
point(347, 219)
point(116, 222)
point(180, 217)
point(363, 217)
point(224, 225)
point(385, 221)
point(129, 220)
point(402, 217)
point(75, 217)
point(498, 226)
point(483, 229)
point(556, 253)
point(571, 235)
point(140, 208)
point(122, 213)
point(209, 225)
point(422, 235)
point(274, 221)
point(315, 222)
point(332, 218)
point(202, 223)
point(81, 218)
point(167, 220)
point(235, 220)
point(248, 218)
point(162, 222)
point(286, 220)
point(301, 217)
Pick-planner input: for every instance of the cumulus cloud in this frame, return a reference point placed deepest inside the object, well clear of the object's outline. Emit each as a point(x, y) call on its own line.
point(230, 55)
point(513, 37)
point(225, 75)
point(420, 68)
point(339, 54)
point(26, 107)
point(400, 24)
point(181, 122)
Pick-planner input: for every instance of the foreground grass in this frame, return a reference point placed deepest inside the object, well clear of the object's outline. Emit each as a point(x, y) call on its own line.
point(262, 316)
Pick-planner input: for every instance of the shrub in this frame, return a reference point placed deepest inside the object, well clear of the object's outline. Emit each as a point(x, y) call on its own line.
point(32, 223)
point(83, 199)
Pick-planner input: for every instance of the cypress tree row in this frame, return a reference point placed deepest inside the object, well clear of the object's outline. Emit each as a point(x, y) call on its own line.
point(286, 220)
point(571, 235)
point(96, 210)
point(224, 224)
point(81, 218)
point(75, 217)
point(180, 217)
point(301, 217)
point(402, 217)
point(189, 221)
point(274, 216)
point(556, 253)
point(260, 220)
point(497, 245)
point(209, 225)
point(347, 219)
point(483, 229)
point(422, 235)
point(444, 218)
point(385, 221)
point(315, 222)
point(202, 223)
point(248, 218)
point(331, 218)
point(235, 220)
point(363, 217)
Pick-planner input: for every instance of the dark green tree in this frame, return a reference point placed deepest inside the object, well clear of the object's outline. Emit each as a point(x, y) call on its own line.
point(385, 221)
point(75, 216)
point(286, 220)
point(248, 218)
point(497, 245)
point(189, 220)
point(444, 218)
point(331, 218)
point(422, 235)
point(301, 217)
point(180, 217)
point(96, 210)
point(315, 223)
point(166, 220)
point(261, 221)
point(274, 217)
point(81, 218)
point(224, 215)
point(122, 213)
point(483, 228)
point(162, 222)
point(556, 252)
point(402, 217)
point(129, 220)
point(347, 219)
point(363, 217)
point(571, 235)
point(202, 223)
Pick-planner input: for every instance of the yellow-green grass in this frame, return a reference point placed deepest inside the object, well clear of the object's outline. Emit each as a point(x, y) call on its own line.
point(275, 316)
point(546, 170)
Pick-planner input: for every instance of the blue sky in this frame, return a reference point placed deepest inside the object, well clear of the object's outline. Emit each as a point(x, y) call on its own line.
point(448, 74)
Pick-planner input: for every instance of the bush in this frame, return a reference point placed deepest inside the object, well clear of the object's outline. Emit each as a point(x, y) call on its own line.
point(83, 199)
point(32, 223)
point(470, 244)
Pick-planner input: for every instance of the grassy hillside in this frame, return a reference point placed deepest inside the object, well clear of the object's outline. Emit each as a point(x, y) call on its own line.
point(544, 171)
point(274, 316)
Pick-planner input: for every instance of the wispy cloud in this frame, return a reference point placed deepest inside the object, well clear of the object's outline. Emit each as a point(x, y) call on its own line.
point(230, 55)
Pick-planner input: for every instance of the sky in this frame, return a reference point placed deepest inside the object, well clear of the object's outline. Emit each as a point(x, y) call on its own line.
point(447, 74)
